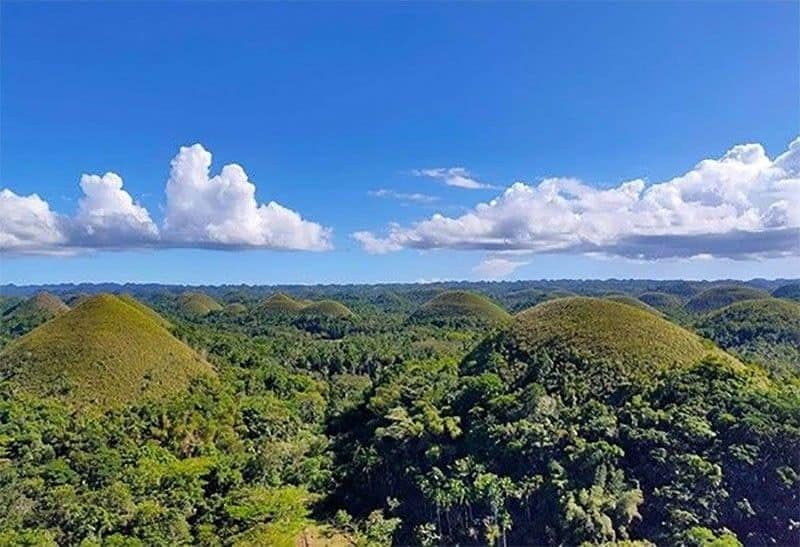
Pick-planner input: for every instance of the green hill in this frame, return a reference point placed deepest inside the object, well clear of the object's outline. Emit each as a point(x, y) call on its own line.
point(790, 292)
point(326, 308)
point(197, 303)
point(280, 303)
point(235, 308)
point(561, 334)
point(719, 297)
point(526, 298)
point(104, 353)
point(631, 301)
point(145, 309)
point(460, 306)
point(667, 303)
point(766, 330)
point(42, 304)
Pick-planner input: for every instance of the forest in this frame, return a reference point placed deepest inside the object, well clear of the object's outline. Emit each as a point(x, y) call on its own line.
point(618, 412)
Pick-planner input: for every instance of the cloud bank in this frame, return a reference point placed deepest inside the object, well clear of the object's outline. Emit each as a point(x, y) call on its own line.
point(217, 211)
point(742, 205)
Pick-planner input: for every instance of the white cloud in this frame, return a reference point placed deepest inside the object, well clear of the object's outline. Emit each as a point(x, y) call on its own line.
point(27, 224)
point(740, 205)
point(453, 176)
point(220, 212)
point(403, 196)
point(495, 268)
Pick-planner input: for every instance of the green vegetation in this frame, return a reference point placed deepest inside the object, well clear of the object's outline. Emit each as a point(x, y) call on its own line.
point(104, 353)
point(632, 301)
point(790, 291)
point(580, 421)
point(19, 318)
point(666, 303)
point(719, 297)
point(280, 303)
point(766, 331)
point(197, 303)
point(459, 307)
point(235, 308)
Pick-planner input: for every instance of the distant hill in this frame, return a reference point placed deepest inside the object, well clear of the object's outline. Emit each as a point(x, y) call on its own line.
point(790, 292)
point(631, 301)
point(559, 335)
point(280, 303)
point(526, 298)
point(106, 352)
point(326, 308)
point(43, 303)
point(197, 303)
point(235, 308)
point(458, 306)
point(718, 297)
point(766, 330)
point(669, 304)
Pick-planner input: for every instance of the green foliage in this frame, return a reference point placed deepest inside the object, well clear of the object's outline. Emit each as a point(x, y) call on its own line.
point(105, 352)
point(790, 292)
point(766, 331)
point(718, 297)
point(459, 308)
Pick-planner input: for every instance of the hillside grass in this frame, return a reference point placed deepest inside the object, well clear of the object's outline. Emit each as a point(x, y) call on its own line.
point(665, 302)
point(41, 304)
point(717, 298)
point(197, 303)
point(327, 308)
point(280, 303)
point(595, 328)
point(631, 301)
point(106, 352)
point(460, 305)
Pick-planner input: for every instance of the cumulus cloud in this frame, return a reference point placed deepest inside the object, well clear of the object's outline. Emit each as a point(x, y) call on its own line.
point(415, 197)
point(222, 210)
point(219, 211)
point(741, 205)
point(453, 176)
point(495, 268)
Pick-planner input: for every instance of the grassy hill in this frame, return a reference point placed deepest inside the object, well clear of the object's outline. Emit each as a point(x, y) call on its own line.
point(631, 301)
point(326, 308)
point(280, 303)
point(106, 352)
point(526, 298)
point(235, 308)
point(766, 331)
point(790, 291)
point(145, 309)
point(41, 304)
point(460, 306)
point(663, 302)
point(197, 303)
point(562, 334)
point(718, 297)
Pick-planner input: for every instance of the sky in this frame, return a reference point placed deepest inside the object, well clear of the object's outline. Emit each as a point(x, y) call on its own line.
point(355, 142)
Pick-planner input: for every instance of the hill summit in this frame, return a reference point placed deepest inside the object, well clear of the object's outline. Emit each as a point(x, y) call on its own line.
point(106, 352)
point(41, 304)
point(717, 298)
point(197, 303)
point(459, 306)
point(566, 332)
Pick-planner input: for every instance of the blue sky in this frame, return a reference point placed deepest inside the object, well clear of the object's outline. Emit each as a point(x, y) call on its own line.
point(325, 105)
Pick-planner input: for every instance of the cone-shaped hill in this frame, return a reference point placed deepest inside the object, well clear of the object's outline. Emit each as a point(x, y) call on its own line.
point(591, 339)
point(106, 352)
point(717, 298)
point(631, 301)
point(43, 305)
point(279, 304)
point(147, 310)
point(197, 303)
point(326, 308)
point(790, 292)
point(662, 301)
point(766, 331)
point(235, 308)
point(459, 306)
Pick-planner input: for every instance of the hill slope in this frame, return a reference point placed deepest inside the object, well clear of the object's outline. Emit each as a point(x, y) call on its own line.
point(197, 303)
point(790, 291)
point(716, 298)
point(41, 304)
point(631, 301)
point(326, 308)
point(663, 302)
point(765, 330)
point(460, 306)
point(635, 343)
point(106, 352)
point(280, 303)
